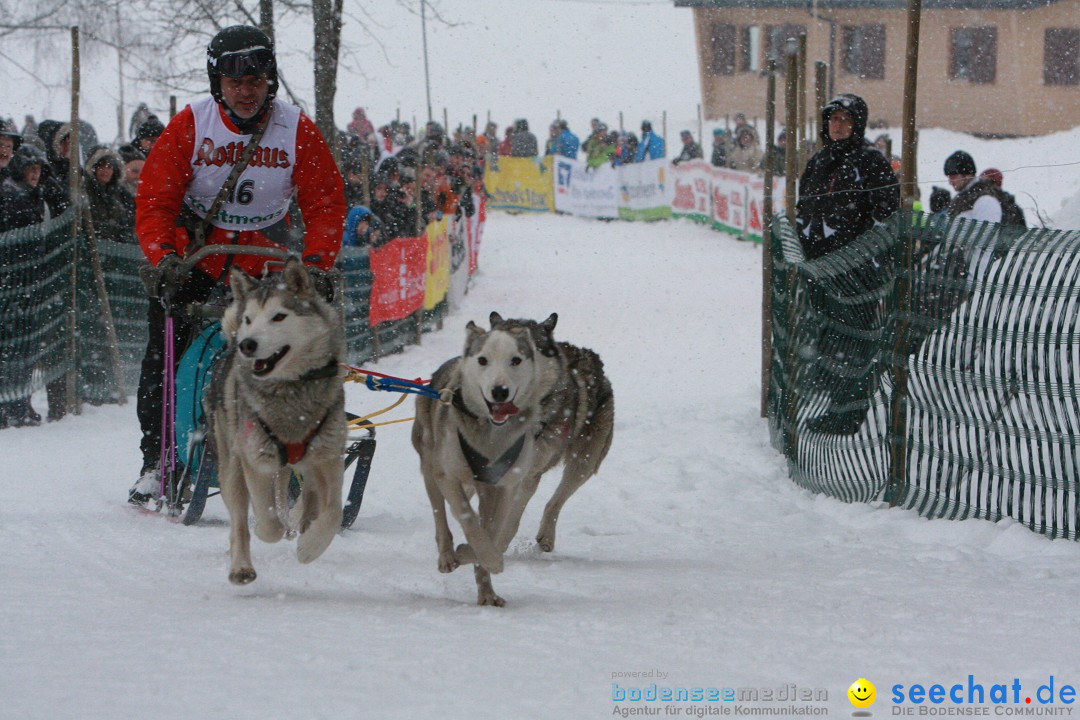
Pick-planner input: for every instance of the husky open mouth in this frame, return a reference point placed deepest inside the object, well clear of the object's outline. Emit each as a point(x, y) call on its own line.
point(264, 366)
point(501, 412)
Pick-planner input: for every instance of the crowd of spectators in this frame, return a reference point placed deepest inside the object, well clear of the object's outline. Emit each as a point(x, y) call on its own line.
point(397, 183)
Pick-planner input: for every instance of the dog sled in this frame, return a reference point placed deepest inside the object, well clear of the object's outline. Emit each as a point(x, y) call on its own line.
point(189, 469)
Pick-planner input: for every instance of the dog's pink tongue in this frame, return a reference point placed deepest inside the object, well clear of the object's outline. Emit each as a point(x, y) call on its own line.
point(501, 411)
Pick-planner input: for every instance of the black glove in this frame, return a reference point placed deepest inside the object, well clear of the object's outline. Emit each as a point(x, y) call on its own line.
point(173, 273)
point(323, 282)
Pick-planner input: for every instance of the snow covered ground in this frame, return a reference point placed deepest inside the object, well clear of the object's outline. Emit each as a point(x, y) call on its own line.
point(690, 556)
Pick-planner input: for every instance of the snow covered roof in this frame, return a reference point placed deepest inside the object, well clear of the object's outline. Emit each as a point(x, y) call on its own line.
point(870, 4)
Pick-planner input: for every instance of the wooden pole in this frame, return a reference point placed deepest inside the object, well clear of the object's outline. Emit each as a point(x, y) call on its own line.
point(172, 106)
point(802, 102)
point(766, 241)
point(794, 142)
point(898, 479)
point(700, 129)
point(106, 307)
point(821, 86)
point(376, 343)
point(120, 75)
point(365, 172)
point(908, 173)
point(71, 399)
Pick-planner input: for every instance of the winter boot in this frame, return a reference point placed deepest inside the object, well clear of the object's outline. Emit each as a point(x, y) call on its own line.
point(147, 487)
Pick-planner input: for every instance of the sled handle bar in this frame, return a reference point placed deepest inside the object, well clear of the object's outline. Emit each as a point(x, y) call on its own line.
point(205, 251)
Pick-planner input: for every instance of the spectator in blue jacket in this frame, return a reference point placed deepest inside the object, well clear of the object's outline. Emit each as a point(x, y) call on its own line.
point(363, 228)
point(651, 146)
point(568, 141)
point(562, 141)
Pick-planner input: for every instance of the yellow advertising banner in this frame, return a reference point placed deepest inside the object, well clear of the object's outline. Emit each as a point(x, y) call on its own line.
point(438, 263)
point(520, 184)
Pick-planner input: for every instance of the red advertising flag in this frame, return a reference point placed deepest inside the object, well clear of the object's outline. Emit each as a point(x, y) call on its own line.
point(398, 288)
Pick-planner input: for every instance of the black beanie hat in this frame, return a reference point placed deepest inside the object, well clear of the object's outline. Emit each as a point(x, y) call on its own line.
point(959, 163)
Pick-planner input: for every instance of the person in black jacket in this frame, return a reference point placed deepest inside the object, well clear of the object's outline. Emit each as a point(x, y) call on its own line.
point(690, 150)
point(847, 187)
point(21, 204)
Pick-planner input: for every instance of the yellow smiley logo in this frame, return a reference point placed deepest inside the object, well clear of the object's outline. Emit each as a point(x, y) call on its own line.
point(862, 693)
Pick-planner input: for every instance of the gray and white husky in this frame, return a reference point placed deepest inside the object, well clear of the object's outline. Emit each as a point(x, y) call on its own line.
point(276, 401)
point(516, 404)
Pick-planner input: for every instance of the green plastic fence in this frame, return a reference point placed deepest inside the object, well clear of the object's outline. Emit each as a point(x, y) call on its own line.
point(943, 378)
point(35, 293)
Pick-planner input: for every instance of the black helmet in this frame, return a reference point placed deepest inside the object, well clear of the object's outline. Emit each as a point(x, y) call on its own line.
point(237, 51)
point(959, 163)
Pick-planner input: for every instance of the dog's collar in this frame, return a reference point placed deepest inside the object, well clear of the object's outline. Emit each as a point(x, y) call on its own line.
point(459, 402)
point(291, 453)
point(484, 470)
point(329, 370)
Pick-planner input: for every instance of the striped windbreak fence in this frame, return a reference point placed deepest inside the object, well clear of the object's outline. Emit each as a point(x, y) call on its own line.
point(934, 364)
point(54, 321)
point(35, 294)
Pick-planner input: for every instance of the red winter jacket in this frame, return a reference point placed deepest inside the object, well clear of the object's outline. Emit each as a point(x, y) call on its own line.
point(167, 172)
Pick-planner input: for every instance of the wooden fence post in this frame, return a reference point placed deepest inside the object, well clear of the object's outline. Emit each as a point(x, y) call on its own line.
point(106, 306)
point(766, 241)
point(794, 141)
point(802, 103)
point(898, 478)
point(71, 399)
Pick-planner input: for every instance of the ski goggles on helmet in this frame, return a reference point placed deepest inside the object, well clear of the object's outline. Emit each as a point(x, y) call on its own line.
point(259, 61)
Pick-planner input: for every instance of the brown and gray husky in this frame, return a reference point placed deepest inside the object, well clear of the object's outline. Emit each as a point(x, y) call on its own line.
point(276, 403)
point(516, 404)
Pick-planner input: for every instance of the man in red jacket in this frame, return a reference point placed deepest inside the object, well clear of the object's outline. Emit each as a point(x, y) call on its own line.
point(183, 176)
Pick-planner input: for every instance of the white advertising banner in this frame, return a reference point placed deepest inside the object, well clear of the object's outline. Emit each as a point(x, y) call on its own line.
point(644, 190)
point(587, 192)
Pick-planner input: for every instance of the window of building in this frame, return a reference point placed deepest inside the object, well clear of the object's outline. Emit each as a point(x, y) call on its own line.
point(722, 55)
point(780, 39)
point(1061, 56)
point(750, 49)
point(974, 54)
point(864, 51)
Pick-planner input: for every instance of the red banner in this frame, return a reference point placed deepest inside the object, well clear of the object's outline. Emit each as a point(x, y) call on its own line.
point(400, 279)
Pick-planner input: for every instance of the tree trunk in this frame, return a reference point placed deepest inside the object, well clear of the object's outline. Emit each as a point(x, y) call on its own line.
point(327, 20)
point(266, 17)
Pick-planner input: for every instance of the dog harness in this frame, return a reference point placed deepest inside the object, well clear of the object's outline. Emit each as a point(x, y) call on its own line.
point(484, 470)
point(292, 453)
